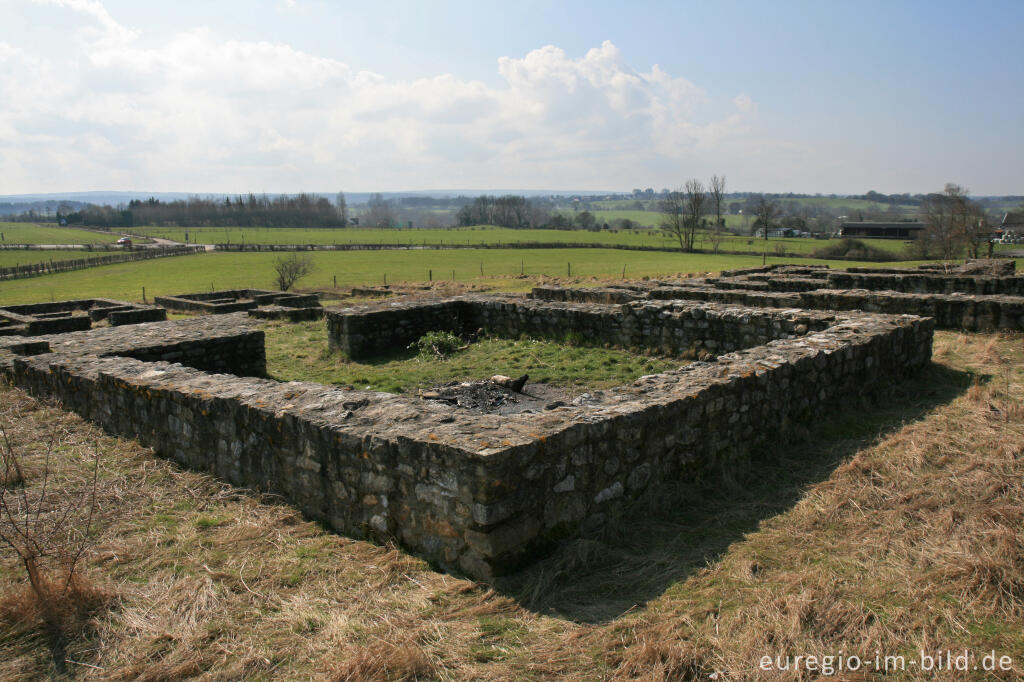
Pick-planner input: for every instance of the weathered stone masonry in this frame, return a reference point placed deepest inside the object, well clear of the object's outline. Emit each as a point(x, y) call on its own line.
point(970, 303)
point(478, 493)
point(670, 326)
point(58, 317)
point(234, 300)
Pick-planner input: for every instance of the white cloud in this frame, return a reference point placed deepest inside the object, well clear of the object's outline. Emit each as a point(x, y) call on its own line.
point(197, 112)
point(743, 103)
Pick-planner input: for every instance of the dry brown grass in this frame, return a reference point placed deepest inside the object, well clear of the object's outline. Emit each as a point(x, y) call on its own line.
point(893, 529)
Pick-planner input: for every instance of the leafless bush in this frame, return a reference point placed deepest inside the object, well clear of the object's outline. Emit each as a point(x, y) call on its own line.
point(291, 268)
point(48, 525)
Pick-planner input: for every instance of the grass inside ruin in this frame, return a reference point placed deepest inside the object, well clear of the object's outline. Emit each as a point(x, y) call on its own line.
point(298, 352)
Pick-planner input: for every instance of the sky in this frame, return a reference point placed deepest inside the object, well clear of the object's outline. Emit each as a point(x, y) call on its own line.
point(213, 96)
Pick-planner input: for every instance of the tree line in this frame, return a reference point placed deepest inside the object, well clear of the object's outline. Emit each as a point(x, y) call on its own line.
point(301, 210)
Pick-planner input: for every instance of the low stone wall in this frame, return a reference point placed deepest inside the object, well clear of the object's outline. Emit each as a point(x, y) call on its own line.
point(209, 344)
point(370, 292)
point(235, 300)
point(476, 493)
point(950, 311)
point(667, 326)
point(928, 283)
point(58, 317)
point(136, 315)
point(277, 312)
point(283, 298)
point(366, 330)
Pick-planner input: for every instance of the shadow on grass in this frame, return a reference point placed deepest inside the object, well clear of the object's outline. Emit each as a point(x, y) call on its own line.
point(664, 541)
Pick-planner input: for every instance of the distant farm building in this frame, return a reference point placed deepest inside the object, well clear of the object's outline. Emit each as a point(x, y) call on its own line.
point(1011, 229)
point(877, 230)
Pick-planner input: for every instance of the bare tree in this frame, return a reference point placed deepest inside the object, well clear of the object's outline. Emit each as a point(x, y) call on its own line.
point(291, 268)
point(342, 208)
point(766, 211)
point(952, 221)
point(673, 216)
point(716, 193)
point(379, 212)
point(696, 208)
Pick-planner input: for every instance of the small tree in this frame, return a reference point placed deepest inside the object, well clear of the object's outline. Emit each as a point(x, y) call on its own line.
point(696, 208)
point(716, 193)
point(291, 268)
point(586, 220)
point(673, 216)
point(682, 211)
point(767, 211)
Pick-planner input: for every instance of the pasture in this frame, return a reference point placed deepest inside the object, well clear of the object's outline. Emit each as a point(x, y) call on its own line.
point(32, 233)
point(495, 236)
point(481, 234)
point(20, 257)
point(506, 269)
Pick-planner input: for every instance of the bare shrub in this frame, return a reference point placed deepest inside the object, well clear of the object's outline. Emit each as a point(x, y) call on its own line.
point(290, 269)
point(49, 526)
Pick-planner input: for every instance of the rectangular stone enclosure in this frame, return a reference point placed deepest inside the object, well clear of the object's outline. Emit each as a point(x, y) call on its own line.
point(34, 319)
point(234, 300)
point(480, 494)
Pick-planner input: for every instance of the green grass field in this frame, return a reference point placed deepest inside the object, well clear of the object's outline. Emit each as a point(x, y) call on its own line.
point(168, 276)
point(493, 235)
point(30, 233)
point(456, 235)
point(19, 257)
point(649, 219)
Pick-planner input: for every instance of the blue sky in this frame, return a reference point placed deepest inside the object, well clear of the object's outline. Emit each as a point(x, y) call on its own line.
point(291, 95)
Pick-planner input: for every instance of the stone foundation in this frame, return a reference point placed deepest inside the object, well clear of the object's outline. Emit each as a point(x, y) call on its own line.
point(235, 300)
point(277, 312)
point(478, 493)
point(59, 317)
point(667, 326)
point(781, 286)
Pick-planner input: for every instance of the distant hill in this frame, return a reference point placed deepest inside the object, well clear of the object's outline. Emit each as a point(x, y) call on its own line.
point(113, 198)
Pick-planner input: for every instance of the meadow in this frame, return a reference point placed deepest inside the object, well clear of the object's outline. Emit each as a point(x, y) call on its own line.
point(32, 233)
point(19, 257)
point(497, 236)
point(481, 234)
point(504, 269)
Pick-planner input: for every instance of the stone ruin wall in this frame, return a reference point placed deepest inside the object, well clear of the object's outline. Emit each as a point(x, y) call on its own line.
point(928, 283)
point(672, 327)
point(34, 319)
point(236, 300)
point(478, 493)
point(815, 288)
